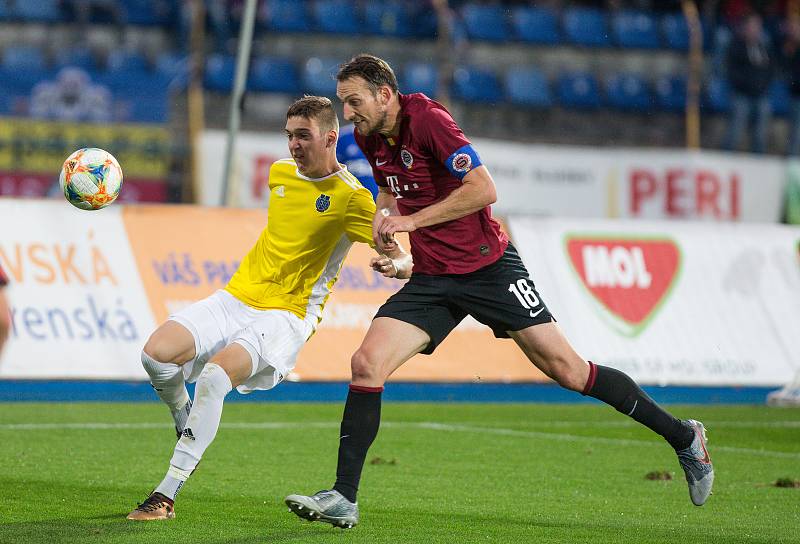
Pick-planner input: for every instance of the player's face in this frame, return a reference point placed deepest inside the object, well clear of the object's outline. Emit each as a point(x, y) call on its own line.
point(367, 111)
point(309, 145)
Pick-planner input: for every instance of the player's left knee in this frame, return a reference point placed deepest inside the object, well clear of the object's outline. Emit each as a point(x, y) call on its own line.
point(363, 366)
point(570, 375)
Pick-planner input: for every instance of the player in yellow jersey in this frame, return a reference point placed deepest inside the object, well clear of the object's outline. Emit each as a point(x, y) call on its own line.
point(247, 336)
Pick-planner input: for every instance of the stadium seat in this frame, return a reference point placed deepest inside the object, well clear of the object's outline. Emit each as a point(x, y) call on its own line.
point(318, 76)
point(81, 57)
point(46, 11)
point(485, 22)
point(586, 26)
point(578, 90)
point(670, 93)
point(274, 75)
point(121, 60)
point(675, 31)
point(337, 17)
point(420, 77)
point(480, 85)
point(220, 71)
point(528, 86)
point(779, 97)
point(717, 95)
point(287, 15)
point(424, 21)
point(174, 67)
point(23, 58)
point(387, 18)
point(146, 12)
point(628, 92)
point(635, 29)
point(535, 25)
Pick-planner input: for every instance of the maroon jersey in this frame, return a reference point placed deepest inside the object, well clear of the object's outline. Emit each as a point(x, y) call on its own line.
point(423, 165)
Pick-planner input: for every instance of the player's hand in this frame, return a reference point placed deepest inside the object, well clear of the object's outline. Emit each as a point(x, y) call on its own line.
point(393, 224)
point(384, 266)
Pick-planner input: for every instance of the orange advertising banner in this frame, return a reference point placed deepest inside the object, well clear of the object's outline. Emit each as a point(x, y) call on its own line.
point(185, 253)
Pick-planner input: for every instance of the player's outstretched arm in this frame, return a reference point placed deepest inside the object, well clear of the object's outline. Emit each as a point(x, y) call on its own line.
point(476, 192)
point(386, 206)
point(394, 263)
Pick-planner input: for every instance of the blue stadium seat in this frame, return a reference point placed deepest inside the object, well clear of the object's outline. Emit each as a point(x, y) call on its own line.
point(779, 97)
point(23, 57)
point(337, 17)
point(485, 22)
point(480, 85)
point(46, 11)
point(536, 25)
point(675, 31)
point(174, 67)
point(387, 18)
point(220, 71)
point(287, 15)
point(424, 21)
point(420, 77)
point(121, 60)
point(635, 29)
point(318, 76)
point(628, 92)
point(528, 86)
point(717, 95)
point(274, 75)
point(586, 26)
point(146, 12)
point(578, 90)
point(670, 93)
point(80, 57)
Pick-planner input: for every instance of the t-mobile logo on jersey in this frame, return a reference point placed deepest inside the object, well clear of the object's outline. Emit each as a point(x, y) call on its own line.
point(630, 278)
point(397, 187)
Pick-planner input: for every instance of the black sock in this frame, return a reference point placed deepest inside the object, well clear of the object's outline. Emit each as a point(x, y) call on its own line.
point(621, 392)
point(360, 422)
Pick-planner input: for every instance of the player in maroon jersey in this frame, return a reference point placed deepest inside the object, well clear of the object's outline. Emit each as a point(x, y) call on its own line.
point(434, 186)
point(5, 316)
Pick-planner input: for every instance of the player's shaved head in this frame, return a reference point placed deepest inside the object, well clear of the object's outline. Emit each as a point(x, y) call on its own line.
point(318, 108)
point(375, 71)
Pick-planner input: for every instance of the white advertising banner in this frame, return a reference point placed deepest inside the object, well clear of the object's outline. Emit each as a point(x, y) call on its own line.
point(78, 307)
point(673, 303)
point(561, 181)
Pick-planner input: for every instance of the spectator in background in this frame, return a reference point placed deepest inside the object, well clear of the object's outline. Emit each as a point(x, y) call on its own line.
point(750, 68)
point(791, 59)
point(349, 154)
point(5, 315)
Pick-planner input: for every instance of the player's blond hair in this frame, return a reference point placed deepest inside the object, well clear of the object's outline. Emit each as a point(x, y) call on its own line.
point(315, 107)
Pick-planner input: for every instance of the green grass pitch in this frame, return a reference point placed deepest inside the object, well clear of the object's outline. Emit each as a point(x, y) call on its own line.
point(449, 473)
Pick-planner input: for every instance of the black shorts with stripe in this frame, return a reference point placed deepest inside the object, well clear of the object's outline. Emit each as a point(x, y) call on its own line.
point(500, 295)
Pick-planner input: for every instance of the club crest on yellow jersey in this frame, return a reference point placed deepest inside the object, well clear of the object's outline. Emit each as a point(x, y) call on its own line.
point(323, 202)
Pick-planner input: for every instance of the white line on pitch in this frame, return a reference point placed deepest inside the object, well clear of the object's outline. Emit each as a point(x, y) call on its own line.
point(420, 425)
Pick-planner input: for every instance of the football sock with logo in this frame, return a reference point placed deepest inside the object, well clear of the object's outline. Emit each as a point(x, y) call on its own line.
point(201, 427)
point(167, 380)
point(621, 392)
point(172, 482)
point(360, 422)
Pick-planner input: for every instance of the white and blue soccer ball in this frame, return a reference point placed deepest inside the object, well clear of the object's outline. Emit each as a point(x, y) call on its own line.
point(91, 178)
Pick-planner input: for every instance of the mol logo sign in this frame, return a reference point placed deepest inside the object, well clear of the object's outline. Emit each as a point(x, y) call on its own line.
point(630, 278)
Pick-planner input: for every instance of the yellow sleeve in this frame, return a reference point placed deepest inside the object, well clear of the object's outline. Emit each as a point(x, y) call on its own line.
point(358, 220)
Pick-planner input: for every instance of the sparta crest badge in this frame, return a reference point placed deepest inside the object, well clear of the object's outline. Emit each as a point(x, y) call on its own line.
point(323, 203)
point(407, 158)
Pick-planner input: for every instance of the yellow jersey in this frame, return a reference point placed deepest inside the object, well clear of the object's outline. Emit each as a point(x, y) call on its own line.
point(311, 224)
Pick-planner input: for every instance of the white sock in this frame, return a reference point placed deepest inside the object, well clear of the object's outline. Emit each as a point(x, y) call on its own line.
point(203, 422)
point(167, 380)
point(172, 482)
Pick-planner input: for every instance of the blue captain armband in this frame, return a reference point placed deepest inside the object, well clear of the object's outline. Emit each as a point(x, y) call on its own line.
point(463, 161)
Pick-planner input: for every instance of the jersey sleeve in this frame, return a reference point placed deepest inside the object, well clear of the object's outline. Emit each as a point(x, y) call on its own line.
point(359, 215)
point(446, 141)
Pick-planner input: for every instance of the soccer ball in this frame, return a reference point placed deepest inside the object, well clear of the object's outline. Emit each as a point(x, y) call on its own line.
point(90, 178)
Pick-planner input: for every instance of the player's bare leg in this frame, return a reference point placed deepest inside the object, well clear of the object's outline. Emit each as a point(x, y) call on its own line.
point(230, 367)
point(547, 348)
point(388, 344)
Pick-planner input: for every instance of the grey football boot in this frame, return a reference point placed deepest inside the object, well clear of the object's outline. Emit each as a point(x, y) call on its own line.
point(696, 463)
point(327, 506)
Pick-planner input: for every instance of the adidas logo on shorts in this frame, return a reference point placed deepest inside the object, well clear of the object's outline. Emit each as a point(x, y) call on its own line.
point(188, 434)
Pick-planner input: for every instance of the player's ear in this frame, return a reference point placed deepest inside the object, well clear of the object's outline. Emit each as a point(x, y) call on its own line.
point(331, 138)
